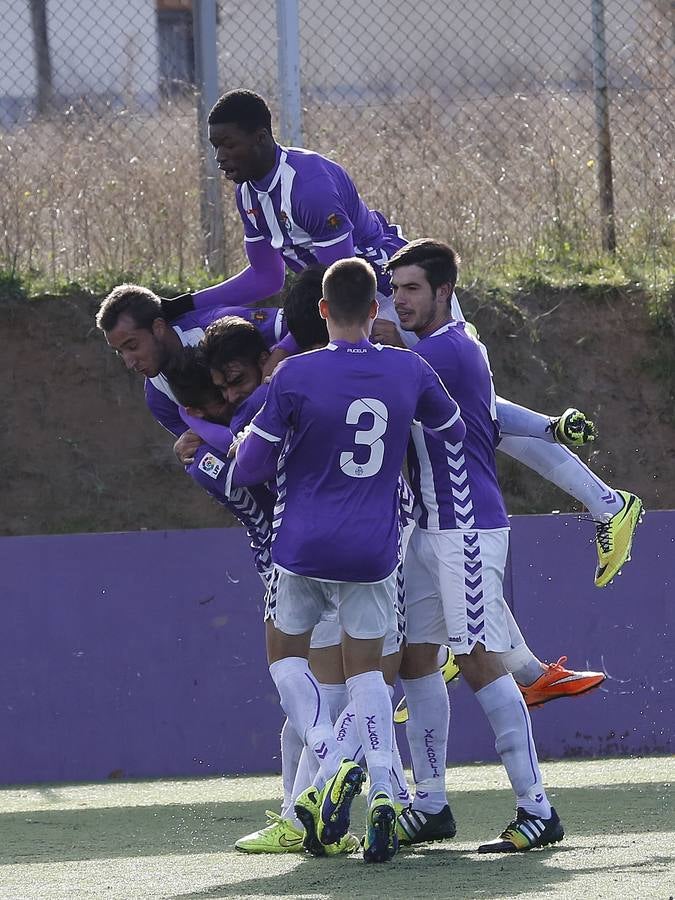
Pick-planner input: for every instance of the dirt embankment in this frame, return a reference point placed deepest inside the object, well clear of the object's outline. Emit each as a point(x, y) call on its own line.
point(83, 454)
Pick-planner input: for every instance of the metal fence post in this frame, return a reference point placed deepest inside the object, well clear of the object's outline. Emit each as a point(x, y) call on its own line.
point(601, 100)
point(206, 70)
point(288, 57)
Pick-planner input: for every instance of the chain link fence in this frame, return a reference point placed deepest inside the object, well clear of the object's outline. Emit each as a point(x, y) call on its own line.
point(518, 130)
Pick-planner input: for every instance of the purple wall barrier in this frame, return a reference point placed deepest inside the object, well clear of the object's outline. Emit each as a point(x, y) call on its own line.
point(142, 654)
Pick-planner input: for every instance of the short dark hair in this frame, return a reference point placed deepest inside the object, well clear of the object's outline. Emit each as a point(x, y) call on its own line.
point(231, 338)
point(301, 308)
point(190, 379)
point(349, 287)
point(246, 109)
point(439, 261)
point(133, 300)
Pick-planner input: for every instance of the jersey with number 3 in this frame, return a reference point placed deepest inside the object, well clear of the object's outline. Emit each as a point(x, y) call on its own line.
point(343, 416)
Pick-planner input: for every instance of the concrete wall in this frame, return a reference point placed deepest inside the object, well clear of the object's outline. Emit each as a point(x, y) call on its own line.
point(142, 654)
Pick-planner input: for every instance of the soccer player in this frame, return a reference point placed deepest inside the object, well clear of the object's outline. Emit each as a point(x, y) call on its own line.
point(297, 208)
point(133, 320)
point(336, 532)
point(454, 568)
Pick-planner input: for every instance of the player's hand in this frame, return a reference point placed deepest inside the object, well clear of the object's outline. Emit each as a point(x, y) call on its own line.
point(238, 438)
point(386, 332)
point(273, 360)
point(186, 446)
point(573, 428)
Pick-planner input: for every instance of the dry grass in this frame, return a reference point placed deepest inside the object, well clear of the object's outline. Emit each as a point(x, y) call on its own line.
point(504, 178)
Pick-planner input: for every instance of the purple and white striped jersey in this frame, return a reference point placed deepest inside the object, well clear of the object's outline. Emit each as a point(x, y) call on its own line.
point(190, 329)
point(342, 416)
point(308, 202)
point(455, 482)
point(252, 506)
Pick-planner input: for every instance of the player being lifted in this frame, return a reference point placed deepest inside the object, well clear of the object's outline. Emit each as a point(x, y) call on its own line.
point(334, 428)
point(298, 207)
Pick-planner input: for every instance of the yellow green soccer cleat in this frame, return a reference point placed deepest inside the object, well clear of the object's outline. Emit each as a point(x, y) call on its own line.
point(347, 844)
point(308, 810)
point(278, 836)
point(573, 428)
point(526, 832)
point(336, 802)
point(381, 841)
point(449, 671)
point(613, 539)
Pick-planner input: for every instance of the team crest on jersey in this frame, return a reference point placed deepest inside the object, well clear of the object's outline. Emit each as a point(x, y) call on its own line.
point(211, 465)
point(259, 316)
point(285, 220)
point(333, 221)
point(254, 211)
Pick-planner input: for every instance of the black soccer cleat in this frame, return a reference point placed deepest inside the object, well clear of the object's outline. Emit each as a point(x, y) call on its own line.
point(417, 827)
point(526, 832)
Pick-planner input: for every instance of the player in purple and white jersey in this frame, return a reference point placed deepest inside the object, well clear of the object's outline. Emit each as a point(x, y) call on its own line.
point(297, 208)
point(455, 564)
point(133, 321)
point(336, 530)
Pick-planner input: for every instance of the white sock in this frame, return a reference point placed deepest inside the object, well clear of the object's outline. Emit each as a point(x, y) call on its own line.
point(369, 694)
point(336, 696)
point(399, 782)
point(291, 749)
point(520, 661)
point(519, 421)
point(301, 701)
point(308, 769)
point(504, 707)
point(427, 731)
point(563, 468)
point(347, 734)
point(442, 655)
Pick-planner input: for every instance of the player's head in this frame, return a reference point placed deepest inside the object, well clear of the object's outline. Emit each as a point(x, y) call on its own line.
point(423, 277)
point(131, 319)
point(240, 130)
point(301, 309)
point(190, 380)
point(349, 294)
point(235, 352)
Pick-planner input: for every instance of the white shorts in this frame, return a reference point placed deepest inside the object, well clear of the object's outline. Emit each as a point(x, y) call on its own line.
point(328, 633)
point(297, 604)
point(453, 582)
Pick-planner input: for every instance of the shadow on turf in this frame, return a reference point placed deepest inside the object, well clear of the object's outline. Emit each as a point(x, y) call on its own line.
point(133, 831)
point(418, 874)
point(439, 873)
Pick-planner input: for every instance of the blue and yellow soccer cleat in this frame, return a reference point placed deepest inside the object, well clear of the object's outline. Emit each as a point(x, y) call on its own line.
point(336, 802)
point(449, 671)
point(614, 538)
point(308, 811)
point(416, 827)
point(381, 841)
point(526, 832)
point(278, 836)
point(573, 428)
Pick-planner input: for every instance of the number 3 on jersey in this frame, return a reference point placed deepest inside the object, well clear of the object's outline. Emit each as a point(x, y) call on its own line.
point(370, 437)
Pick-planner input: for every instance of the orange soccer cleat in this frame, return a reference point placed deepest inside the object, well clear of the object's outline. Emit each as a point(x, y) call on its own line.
point(557, 681)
